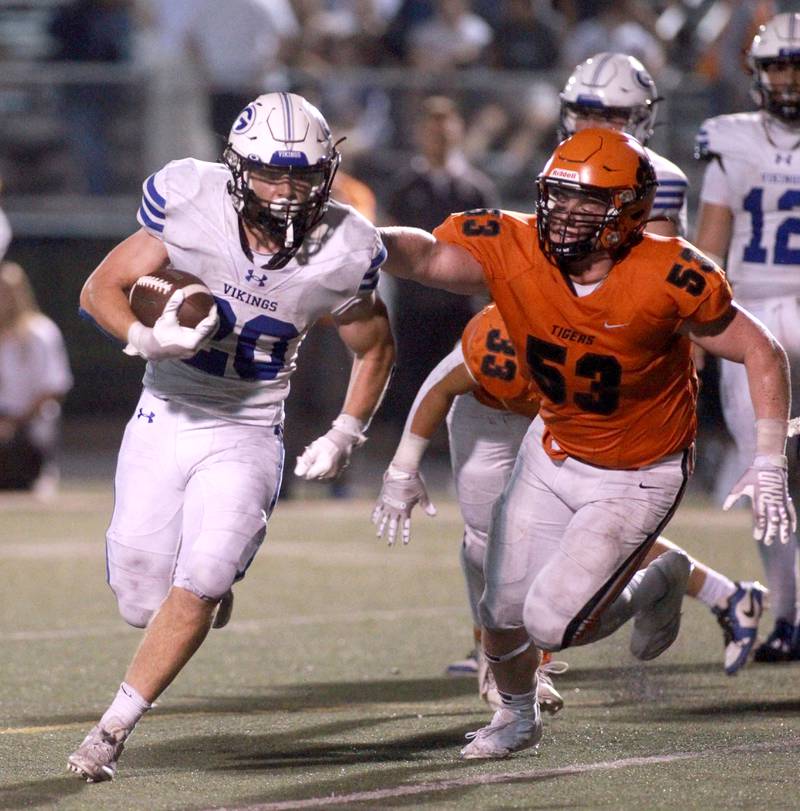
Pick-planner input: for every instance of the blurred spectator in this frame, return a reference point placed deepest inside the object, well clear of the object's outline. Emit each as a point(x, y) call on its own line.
point(619, 25)
point(438, 182)
point(527, 36)
point(409, 15)
point(92, 31)
point(34, 378)
point(453, 38)
point(240, 48)
point(721, 45)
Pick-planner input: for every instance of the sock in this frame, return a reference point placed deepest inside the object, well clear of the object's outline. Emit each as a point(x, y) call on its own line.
point(716, 590)
point(519, 703)
point(128, 707)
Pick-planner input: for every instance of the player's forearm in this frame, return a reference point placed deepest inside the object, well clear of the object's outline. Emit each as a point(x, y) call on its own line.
point(108, 306)
point(767, 370)
point(369, 377)
point(409, 251)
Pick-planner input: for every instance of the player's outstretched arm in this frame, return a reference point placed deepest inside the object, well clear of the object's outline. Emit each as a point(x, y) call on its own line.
point(365, 330)
point(743, 339)
point(403, 486)
point(417, 255)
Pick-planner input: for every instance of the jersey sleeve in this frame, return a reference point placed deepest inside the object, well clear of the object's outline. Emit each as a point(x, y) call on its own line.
point(169, 200)
point(370, 279)
point(484, 233)
point(670, 199)
point(698, 287)
point(716, 187)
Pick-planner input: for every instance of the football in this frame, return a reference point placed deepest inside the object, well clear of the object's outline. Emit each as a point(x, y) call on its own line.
point(150, 293)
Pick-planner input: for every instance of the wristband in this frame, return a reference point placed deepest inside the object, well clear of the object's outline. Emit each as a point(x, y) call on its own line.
point(771, 437)
point(351, 426)
point(410, 451)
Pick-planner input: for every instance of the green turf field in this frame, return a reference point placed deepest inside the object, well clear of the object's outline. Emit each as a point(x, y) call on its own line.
point(326, 690)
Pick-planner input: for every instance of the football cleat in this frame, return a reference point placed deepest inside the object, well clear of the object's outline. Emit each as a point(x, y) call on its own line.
point(507, 732)
point(778, 646)
point(550, 700)
point(663, 585)
point(222, 615)
point(95, 760)
point(464, 668)
point(739, 623)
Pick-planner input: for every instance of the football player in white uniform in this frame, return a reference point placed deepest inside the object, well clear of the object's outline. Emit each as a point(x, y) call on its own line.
point(202, 457)
point(750, 190)
point(615, 90)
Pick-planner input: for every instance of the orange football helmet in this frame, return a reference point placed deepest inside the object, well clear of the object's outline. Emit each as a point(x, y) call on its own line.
point(595, 194)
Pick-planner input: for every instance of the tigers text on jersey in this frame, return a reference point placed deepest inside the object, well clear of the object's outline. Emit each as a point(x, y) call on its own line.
point(492, 363)
point(670, 199)
point(617, 381)
point(754, 170)
point(264, 314)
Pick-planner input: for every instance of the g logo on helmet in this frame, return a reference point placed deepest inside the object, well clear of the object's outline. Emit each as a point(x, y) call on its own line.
point(245, 120)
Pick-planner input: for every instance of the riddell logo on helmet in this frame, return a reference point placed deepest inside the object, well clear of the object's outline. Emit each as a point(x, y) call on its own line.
point(566, 174)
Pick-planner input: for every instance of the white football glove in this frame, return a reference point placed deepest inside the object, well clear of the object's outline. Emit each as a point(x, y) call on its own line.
point(326, 457)
point(765, 484)
point(167, 338)
point(400, 492)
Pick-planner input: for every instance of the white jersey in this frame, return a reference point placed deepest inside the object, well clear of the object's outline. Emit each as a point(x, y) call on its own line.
point(751, 172)
point(670, 200)
point(264, 314)
point(33, 363)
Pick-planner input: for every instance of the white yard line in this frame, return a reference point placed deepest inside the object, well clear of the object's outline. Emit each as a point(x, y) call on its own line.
point(530, 775)
point(245, 626)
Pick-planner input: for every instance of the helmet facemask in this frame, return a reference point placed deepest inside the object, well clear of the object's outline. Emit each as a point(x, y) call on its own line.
point(284, 221)
point(575, 221)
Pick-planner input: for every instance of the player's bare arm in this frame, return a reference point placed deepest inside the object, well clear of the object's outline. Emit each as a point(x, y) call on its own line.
point(417, 255)
point(365, 330)
point(104, 294)
point(741, 338)
point(714, 227)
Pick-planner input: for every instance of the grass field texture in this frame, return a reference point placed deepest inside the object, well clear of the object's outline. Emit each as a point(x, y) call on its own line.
point(327, 688)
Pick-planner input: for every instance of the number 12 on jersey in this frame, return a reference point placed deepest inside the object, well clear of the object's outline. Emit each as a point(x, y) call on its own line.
point(754, 251)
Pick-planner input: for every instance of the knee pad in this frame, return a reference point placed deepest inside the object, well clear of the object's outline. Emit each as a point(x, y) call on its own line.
point(135, 615)
point(140, 580)
point(545, 626)
point(210, 578)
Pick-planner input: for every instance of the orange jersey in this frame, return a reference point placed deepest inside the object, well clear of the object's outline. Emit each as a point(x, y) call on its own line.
point(492, 362)
point(618, 386)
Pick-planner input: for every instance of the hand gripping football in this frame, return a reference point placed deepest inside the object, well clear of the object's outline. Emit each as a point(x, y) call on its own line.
point(150, 293)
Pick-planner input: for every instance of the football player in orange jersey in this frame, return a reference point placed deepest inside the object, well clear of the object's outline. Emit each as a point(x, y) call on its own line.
point(604, 316)
point(488, 405)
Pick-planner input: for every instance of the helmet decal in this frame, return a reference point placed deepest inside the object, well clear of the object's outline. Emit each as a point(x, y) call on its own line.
point(245, 120)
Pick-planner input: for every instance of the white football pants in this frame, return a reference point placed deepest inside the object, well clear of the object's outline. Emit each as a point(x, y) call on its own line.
point(566, 537)
point(192, 497)
point(484, 443)
point(782, 318)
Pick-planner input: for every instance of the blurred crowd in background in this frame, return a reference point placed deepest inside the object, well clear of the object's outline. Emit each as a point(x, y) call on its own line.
point(445, 105)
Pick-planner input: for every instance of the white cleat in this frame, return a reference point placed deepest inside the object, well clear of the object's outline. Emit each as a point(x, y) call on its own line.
point(550, 700)
point(95, 760)
point(663, 585)
point(507, 732)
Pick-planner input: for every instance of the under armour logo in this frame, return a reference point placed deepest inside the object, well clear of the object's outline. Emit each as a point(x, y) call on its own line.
point(251, 277)
point(149, 417)
point(785, 158)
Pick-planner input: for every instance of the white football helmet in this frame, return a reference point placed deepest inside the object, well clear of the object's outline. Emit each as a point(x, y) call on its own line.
point(610, 86)
point(777, 45)
point(284, 135)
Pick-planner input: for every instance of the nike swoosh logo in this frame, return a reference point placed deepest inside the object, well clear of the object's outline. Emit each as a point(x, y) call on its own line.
point(649, 487)
point(615, 326)
point(752, 610)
